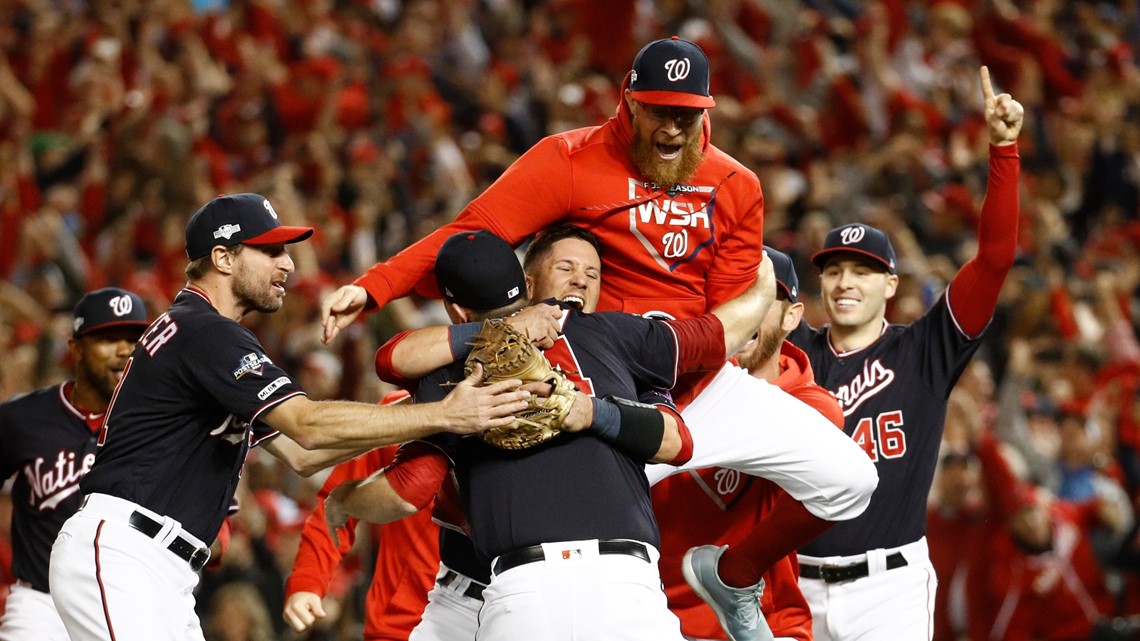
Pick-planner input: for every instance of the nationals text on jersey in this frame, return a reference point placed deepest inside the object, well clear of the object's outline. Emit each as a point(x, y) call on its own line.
point(59, 481)
point(874, 378)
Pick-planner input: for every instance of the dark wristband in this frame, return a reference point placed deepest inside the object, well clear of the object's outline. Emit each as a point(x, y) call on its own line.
point(459, 337)
point(641, 427)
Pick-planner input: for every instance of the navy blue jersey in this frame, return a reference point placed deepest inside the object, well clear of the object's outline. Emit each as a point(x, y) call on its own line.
point(185, 415)
point(893, 394)
point(575, 486)
point(49, 444)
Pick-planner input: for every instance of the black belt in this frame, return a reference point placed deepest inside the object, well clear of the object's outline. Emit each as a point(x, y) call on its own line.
point(181, 548)
point(522, 556)
point(839, 573)
point(474, 588)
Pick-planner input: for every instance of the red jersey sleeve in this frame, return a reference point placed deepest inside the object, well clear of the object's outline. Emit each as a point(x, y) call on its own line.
point(317, 557)
point(385, 369)
point(974, 291)
point(418, 472)
point(530, 195)
point(700, 343)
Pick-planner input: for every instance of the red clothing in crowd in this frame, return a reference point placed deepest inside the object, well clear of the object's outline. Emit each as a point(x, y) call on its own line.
point(721, 506)
point(1022, 595)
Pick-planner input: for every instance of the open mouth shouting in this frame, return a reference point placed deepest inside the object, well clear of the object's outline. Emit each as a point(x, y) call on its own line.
point(577, 302)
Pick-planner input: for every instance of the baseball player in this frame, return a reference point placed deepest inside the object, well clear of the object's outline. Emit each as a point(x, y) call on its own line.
point(197, 392)
point(871, 577)
point(683, 224)
point(567, 525)
point(47, 439)
point(722, 505)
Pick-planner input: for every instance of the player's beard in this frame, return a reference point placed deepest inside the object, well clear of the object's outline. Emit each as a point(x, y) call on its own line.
point(102, 382)
point(766, 347)
point(665, 173)
point(253, 293)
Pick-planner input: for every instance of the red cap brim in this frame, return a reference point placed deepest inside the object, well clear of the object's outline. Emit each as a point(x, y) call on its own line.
point(673, 99)
point(282, 234)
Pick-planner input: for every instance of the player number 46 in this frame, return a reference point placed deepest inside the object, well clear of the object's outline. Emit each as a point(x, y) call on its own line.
point(882, 436)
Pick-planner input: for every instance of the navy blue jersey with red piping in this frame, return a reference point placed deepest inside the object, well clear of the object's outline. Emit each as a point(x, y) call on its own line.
point(575, 486)
point(893, 394)
point(185, 415)
point(49, 444)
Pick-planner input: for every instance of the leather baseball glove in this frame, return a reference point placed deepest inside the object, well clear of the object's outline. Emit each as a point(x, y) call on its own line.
point(506, 353)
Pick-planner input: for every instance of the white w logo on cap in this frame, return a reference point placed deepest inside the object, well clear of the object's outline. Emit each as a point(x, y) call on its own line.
point(852, 234)
point(677, 69)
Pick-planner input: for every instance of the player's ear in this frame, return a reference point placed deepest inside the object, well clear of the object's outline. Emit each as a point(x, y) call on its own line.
point(892, 285)
point(456, 313)
point(529, 286)
point(792, 316)
point(74, 349)
point(222, 259)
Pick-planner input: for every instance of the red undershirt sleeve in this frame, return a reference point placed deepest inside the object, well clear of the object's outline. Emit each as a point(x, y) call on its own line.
point(700, 343)
point(974, 291)
point(385, 369)
point(417, 472)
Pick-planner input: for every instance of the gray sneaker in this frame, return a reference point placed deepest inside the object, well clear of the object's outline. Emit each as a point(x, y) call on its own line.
point(737, 609)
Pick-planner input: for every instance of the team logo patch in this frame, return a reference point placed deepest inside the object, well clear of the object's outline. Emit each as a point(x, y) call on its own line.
point(251, 363)
point(675, 226)
point(226, 231)
point(272, 387)
point(269, 208)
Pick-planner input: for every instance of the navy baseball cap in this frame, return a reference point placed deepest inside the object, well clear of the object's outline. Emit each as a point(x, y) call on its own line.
point(671, 72)
point(786, 278)
point(479, 271)
point(245, 219)
point(106, 308)
point(857, 238)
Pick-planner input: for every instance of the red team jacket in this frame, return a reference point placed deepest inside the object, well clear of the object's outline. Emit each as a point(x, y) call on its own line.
point(719, 506)
point(679, 251)
point(406, 562)
point(1018, 595)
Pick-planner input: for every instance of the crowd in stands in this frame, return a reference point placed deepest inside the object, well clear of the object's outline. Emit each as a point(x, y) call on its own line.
point(377, 120)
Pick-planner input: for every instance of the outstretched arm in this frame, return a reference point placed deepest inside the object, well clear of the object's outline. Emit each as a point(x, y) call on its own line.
point(530, 195)
point(973, 292)
point(467, 409)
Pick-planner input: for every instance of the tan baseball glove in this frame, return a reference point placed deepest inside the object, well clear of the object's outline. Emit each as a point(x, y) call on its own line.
point(505, 354)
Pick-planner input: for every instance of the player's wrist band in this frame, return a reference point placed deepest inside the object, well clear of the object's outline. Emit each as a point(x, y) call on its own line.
point(639, 428)
point(459, 337)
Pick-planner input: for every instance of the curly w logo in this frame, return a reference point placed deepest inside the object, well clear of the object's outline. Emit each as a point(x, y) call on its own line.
point(677, 69)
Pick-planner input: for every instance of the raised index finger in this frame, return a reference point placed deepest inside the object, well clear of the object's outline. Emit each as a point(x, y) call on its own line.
point(987, 87)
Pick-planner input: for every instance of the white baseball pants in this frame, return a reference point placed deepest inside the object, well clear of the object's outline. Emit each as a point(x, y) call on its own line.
point(885, 605)
point(450, 615)
point(576, 594)
point(743, 423)
point(111, 581)
point(31, 614)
